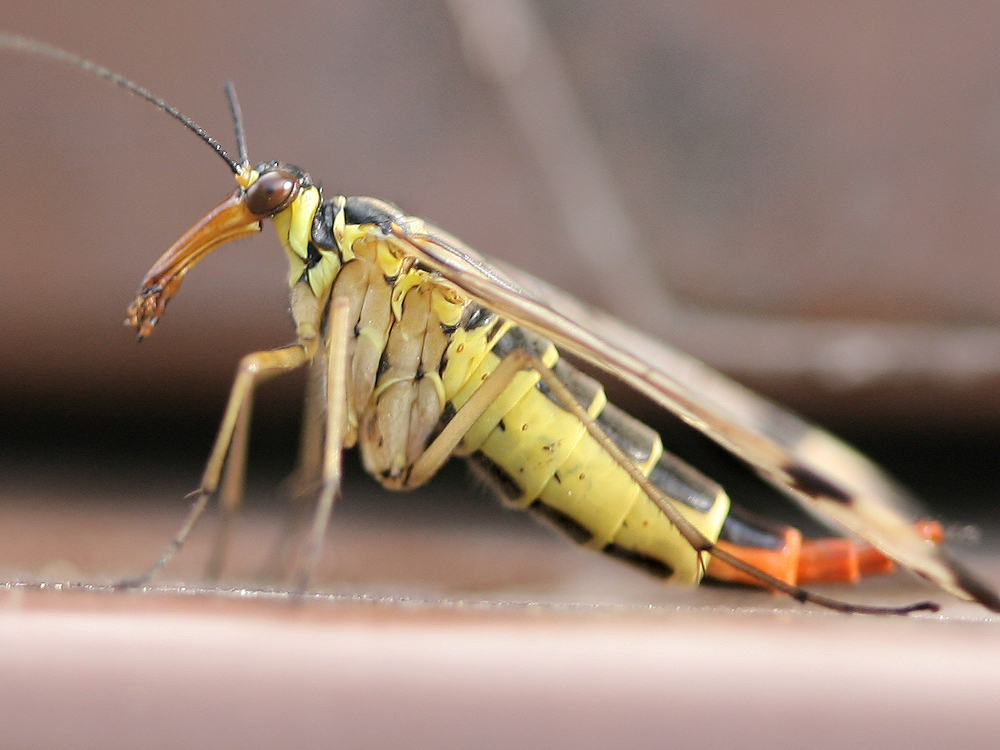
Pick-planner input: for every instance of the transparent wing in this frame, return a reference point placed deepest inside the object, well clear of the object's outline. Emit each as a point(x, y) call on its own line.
point(822, 473)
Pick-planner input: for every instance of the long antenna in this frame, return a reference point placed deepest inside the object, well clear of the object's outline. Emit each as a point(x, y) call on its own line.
point(19, 43)
point(237, 113)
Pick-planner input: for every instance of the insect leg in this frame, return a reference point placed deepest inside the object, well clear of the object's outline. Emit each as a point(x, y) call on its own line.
point(305, 481)
point(253, 369)
point(308, 472)
point(337, 338)
point(231, 489)
point(702, 544)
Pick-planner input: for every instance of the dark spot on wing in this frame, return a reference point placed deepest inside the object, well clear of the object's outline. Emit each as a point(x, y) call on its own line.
point(810, 483)
point(645, 562)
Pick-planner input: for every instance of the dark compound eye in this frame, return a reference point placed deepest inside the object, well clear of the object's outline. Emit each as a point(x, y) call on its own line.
point(272, 192)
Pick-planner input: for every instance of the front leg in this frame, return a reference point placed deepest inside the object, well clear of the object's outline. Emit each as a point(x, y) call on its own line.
point(231, 442)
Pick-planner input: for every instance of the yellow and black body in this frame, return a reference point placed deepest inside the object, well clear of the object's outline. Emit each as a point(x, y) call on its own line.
point(417, 350)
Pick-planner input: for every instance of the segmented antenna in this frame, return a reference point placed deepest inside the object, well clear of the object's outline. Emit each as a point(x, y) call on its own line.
point(237, 113)
point(24, 44)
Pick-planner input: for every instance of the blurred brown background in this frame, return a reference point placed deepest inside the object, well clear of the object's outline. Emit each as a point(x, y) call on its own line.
point(812, 189)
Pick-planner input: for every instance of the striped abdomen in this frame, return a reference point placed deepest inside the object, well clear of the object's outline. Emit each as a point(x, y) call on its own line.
point(541, 458)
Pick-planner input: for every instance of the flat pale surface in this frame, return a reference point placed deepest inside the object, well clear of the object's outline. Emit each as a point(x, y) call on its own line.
point(439, 637)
